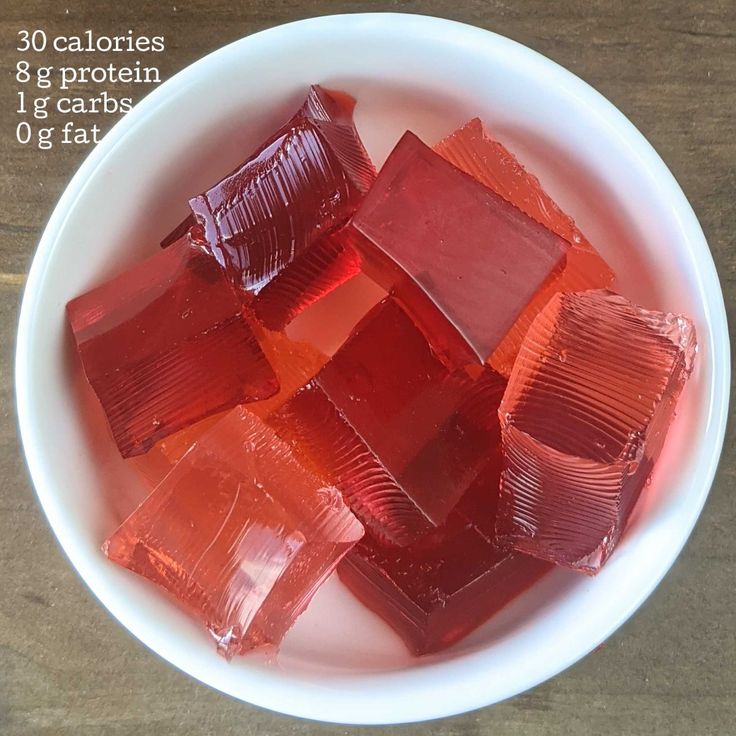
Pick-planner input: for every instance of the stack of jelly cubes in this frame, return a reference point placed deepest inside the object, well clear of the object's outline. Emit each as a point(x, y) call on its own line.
point(491, 410)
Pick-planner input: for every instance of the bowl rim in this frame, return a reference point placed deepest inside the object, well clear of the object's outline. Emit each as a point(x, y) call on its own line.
point(407, 699)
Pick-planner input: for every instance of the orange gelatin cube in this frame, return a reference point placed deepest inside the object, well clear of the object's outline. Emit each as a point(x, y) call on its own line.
point(474, 152)
point(165, 344)
point(239, 533)
point(434, 234)
point(584, 417)
point(398, 433)
point(440, 588)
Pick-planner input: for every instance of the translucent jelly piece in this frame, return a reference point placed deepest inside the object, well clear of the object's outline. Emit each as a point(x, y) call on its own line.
point(303, 183)
point(475, 153)
point(477, 257)
point(399, 434)
point(240, 533)
point(293, 362)
point(315, 272)
point(326, 443)
point(471, 150)
point(588, 405)
point(439, 589)
point(165, 344)
point(327, 323)
point(152, 468)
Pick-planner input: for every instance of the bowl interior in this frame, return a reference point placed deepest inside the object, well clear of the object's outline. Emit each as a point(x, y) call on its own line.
point(340, 662)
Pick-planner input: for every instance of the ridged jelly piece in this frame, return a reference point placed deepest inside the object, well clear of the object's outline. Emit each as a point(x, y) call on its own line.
point(327, 323)
point(436, 591)
point(239, 533)
point(476, 256)
point(470, 149)
point(293, 362)
point(583, 419)
point(400, 435)
point(303, 183)
point(314, 273)
point(165, 344)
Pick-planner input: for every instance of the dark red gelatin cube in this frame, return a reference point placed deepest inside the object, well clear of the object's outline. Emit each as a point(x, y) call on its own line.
point(584, 417)
point(303, 183)
point(478, 258)
point(386, 421)
point(165, 344)
point(442, 587)
point(239, 533)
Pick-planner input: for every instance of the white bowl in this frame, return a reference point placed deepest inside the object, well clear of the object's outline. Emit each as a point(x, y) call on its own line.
point(340, 663)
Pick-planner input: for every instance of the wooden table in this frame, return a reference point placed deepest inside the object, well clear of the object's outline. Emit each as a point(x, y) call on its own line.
point(67, 668)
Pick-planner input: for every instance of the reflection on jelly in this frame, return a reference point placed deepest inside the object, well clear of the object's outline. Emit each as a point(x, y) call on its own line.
point(314, 273)
point(584, 417)
point(239, 533)
point(265, 222)
point(400, 435)
point(474, 152)
point(165, 344)
point(439, 589)
point(475, 255)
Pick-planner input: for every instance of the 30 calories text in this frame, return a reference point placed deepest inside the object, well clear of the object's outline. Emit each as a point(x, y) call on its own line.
point(40, 85)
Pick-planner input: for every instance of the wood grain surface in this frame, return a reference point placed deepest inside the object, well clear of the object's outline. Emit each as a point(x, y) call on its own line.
point(67, 668)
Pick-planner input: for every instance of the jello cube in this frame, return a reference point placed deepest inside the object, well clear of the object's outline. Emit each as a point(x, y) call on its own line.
point(239, 533)
point(315, 272)
point(294, 363)
point(439, 589)
point(488, 161)
point(584, 417)
point(301, 184)
point(477, 257)
point(165, 344)
point(398, 433)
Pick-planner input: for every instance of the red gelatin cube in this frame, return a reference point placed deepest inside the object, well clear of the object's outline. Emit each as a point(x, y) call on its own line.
point(584, 417)
point(313, 274)
point(165, 344)
point(471, 150)
point(239, 533)
point(442, 587)
point(302, 184)
point(476, 256)
point(294, 363)
point(488, 161)
point(399, 434)
point(326, 443)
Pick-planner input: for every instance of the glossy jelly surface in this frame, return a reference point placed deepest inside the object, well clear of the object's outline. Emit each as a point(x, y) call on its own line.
point(473, 151)
point(437, 590)
point(314, 273)
point(165, 344)
point(399, 434)
point(239, 533)
point(477, 257)
point(418, 378)
point(584, 417)
point(300, 185)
